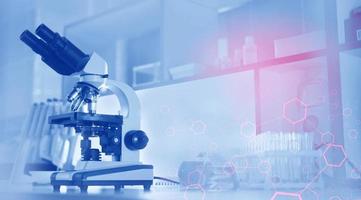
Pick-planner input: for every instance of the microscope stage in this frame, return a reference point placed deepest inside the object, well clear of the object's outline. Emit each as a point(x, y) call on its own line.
point(79, 118)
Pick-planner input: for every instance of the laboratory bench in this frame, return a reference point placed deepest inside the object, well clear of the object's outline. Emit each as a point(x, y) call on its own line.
point(174, 193)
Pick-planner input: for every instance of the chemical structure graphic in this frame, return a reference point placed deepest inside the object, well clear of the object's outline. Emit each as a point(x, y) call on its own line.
point(353, 134)
point(198, 127)
point(327, 138)
point(248, 129)
point(189, 192)
point(295, 111)
point(333, 149)
point(347, 112)
point(261, 166)
point(289, 195)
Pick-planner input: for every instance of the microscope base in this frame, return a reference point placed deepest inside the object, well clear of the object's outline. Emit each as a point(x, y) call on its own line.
point(118, 177)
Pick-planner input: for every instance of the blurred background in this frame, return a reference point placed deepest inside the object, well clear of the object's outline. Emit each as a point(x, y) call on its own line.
point(251, 86)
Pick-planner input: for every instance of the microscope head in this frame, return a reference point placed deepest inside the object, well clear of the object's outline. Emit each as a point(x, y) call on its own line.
point(56, 51)
point(66, 59)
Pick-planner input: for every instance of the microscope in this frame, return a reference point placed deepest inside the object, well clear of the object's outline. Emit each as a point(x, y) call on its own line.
point(119, 136)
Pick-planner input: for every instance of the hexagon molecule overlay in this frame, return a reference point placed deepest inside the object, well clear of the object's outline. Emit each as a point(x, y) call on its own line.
point(294, 111)
point(337, 152)
point(286, 196)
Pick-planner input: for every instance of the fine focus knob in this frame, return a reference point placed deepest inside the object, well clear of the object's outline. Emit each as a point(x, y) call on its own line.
point(135, 140)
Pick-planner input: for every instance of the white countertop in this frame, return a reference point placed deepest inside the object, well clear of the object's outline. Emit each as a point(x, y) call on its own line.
point(45, 192)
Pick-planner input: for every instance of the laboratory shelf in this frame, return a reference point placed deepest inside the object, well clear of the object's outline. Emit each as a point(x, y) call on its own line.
point(353, 48)
point(288, 185)
point(350, 46)
point(288, 153)
point(231, 70)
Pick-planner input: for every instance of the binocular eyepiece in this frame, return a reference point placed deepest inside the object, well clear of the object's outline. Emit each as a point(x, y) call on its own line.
point(56, 51)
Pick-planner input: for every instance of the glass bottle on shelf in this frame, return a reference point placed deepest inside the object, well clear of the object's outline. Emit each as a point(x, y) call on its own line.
point(223, 60)
point(249, 51)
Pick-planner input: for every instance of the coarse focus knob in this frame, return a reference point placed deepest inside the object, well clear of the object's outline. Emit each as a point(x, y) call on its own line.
point(135, 140)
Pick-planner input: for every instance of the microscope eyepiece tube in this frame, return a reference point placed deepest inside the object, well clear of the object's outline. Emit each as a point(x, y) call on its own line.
point(56, 51)
point(37, 45)
point(45, 33)
point(65, 50)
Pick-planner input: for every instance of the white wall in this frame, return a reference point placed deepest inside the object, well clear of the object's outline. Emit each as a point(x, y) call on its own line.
point(187, 28)
point(221, 104)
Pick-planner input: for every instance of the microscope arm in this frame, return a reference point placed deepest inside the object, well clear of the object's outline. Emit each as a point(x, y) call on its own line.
point(130, 109)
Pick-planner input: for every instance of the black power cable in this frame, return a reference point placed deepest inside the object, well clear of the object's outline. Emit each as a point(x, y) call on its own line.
point(166, 179)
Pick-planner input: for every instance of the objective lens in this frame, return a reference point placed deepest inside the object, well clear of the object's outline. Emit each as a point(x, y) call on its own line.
point(92, 107)
point(77, 103)
point(73, 94)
